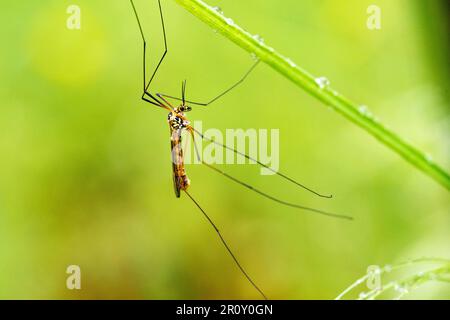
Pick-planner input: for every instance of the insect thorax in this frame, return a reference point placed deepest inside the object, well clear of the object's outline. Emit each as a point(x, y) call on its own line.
point(177, 120)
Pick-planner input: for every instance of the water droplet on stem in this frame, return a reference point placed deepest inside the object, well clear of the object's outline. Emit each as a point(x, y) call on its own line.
point(217, 9)
point(322, 82)
point(258, 38)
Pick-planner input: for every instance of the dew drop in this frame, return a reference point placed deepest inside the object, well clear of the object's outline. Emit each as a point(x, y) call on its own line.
point(254, 56)
point(362, 295)
point(335, 93)
point(229, 21)
point(322, 82)
point(400, 289)
point(428, 157)
point(258, 38)
point(217, 9)
point(364, 110)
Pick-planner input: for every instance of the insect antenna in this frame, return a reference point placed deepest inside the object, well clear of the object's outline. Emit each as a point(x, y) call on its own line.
point(226, 246)
point(183, 92)
point(268, 196)
point(263, 165)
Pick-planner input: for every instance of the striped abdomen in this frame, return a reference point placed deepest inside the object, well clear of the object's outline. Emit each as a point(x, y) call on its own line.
point(180, 179)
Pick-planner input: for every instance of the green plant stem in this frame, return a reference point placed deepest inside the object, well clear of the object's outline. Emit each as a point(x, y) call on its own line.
point(349, 109)
point(441, 274)
point(438, 274)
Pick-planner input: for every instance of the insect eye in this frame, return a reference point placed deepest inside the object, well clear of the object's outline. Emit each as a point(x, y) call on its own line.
point(184, 108)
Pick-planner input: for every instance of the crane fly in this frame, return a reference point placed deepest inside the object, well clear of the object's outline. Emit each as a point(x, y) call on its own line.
point(178, 123)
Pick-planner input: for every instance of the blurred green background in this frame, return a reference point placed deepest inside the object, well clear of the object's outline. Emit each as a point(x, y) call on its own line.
point(85, 170)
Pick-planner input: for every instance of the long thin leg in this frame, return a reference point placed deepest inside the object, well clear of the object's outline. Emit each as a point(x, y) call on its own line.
point(145, 93)
point(262, 165)
point(220, 95)
point(165, 46)
point(334, 215)
point(226, 246)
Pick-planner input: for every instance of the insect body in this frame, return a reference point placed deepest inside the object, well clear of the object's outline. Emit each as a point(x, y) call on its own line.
point(178, 123)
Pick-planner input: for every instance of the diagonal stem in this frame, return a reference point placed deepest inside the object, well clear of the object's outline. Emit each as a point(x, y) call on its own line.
point(319, 88)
